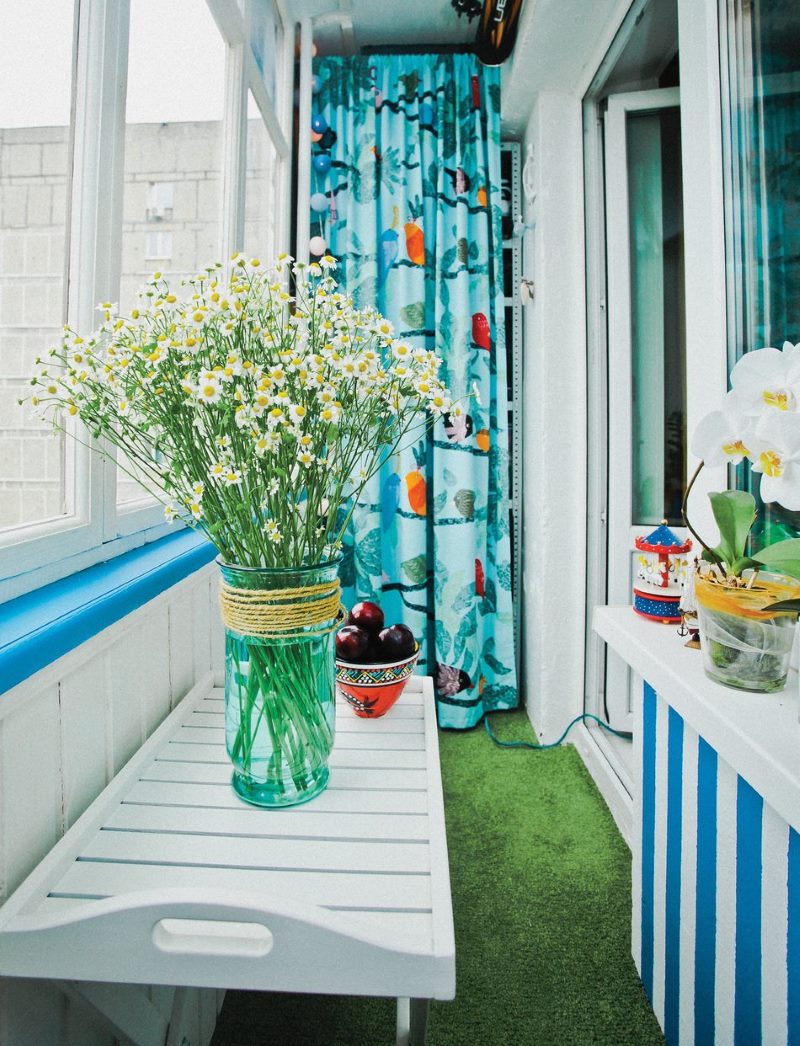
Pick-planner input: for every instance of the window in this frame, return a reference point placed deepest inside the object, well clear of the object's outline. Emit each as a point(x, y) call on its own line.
point(35, 131)
point(99, 189)
point(760, 49)
point(260, 189)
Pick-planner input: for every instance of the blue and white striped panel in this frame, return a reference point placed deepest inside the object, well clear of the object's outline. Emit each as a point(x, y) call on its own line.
point(716, 891)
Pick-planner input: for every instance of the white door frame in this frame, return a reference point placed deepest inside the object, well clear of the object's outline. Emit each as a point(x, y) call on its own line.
point(621, 532)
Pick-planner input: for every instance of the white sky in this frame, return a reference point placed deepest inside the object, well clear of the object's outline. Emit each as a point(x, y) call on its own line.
point(175, 71)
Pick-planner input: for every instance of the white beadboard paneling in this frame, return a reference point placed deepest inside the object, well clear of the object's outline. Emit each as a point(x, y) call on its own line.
point(83, 737)
point(31, 786)
point(78, 721)
point(217, 636)
point(137, 670)
point(202, 612)
point(181, 644)
point(154, 675)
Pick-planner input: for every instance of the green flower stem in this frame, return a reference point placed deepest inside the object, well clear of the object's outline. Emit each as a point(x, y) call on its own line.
point(684, 507)
point(299, 733)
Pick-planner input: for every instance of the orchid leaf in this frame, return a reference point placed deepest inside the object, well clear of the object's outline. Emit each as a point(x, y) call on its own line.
point(783, 557)
point(745, 563)
point(735, 513)
point(785, 606)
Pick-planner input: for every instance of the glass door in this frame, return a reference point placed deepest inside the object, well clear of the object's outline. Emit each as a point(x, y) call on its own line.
point(646, 342)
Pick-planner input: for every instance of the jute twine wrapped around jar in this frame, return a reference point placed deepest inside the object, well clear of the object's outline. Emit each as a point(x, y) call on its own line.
point(281, 613)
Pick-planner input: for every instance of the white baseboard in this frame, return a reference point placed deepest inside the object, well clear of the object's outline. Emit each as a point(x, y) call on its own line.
point(616, 796)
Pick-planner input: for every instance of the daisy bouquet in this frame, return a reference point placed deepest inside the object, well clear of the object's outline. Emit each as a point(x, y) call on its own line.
point(255, 414)
point(256, 402)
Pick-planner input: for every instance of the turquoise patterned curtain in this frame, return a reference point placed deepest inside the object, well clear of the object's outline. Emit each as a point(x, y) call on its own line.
point(410, 209)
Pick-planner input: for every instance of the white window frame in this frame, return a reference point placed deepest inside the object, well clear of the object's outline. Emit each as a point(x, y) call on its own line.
point(704, 269)
point(96, 528)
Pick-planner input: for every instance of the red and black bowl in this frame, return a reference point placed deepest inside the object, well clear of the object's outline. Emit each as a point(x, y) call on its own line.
point(372, 689)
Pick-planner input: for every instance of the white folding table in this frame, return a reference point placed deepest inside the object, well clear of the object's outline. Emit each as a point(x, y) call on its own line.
point(169, 878)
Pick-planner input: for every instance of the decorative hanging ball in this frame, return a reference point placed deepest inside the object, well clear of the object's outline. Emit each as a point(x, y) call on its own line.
point(661, 572)
point(319, 124)
point(317, 245)
point(314, 84)
point(319, 202)
point(316, 137)
point(322, 163)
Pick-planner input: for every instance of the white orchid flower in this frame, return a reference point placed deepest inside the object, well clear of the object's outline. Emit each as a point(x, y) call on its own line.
point(767, 379)
point(721, 437)
point(775, 453)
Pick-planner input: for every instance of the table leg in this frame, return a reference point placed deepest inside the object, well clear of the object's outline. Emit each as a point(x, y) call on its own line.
point(412, 1021)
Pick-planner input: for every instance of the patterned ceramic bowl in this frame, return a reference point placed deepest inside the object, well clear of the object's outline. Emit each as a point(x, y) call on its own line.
point(371, 690)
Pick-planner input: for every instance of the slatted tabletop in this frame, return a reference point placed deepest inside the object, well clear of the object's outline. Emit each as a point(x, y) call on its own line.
point(169, 878)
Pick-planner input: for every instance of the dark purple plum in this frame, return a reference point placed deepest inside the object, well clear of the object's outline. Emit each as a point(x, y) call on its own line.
point(367, 616)
point(397, 643)
point(352, 643)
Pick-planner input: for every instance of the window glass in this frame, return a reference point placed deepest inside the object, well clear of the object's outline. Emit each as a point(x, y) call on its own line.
point(658, 338)
point(265, 39)
point(173, 152)
point(761, 122)
point(34, 179)
point(260, 190)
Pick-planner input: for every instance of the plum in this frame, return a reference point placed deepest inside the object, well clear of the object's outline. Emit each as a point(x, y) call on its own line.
point(367, 616)
point(397, 643)
point(352, 643)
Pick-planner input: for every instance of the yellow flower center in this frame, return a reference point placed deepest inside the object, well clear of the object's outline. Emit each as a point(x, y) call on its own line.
point(771, 464)
point(737, 448)
point(776, 398)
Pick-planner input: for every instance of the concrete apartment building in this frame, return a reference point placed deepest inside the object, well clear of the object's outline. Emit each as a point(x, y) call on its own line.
point(171, 223)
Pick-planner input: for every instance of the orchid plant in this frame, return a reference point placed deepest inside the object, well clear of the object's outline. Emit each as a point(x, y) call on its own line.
point(256, 401)
point(759, 421)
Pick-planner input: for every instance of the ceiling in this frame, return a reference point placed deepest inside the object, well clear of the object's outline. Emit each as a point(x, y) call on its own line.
point(375, 23)
point(559, 43)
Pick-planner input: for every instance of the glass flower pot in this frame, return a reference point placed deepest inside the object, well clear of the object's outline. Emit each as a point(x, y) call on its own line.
point(280, 686)
point(743, 646)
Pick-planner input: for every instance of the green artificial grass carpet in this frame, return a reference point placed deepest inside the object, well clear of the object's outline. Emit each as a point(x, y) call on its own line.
point(541, 889)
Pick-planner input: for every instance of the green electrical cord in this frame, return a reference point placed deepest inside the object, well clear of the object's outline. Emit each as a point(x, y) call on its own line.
point(555, 744)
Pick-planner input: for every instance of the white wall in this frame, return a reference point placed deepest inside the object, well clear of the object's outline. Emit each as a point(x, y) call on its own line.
point(554, 479)
point(64, 733)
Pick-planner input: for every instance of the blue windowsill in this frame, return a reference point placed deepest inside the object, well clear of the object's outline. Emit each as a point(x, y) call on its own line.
point(41, 626)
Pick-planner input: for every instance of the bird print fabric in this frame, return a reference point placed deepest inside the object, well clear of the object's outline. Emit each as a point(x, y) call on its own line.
point(414, 223)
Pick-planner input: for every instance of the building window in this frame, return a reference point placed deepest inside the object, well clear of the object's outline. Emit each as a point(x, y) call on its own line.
point(173, 156)
point(159, 201)
point(84, 221)
point(158, 247)
point(35, 131)
point(760, 50)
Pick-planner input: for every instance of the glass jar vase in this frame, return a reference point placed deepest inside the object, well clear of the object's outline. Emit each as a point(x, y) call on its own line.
point(742, 645)
point(279, 679)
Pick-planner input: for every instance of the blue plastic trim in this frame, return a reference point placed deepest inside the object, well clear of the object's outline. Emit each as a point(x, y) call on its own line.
point(747, 980)
point(793, 937)
point(41, 626)
point(648, 836)
point(705, 941)
point(672, 931)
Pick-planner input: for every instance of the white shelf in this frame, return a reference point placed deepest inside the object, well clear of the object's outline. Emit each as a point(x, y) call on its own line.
point(756, 734)
point(347, 894)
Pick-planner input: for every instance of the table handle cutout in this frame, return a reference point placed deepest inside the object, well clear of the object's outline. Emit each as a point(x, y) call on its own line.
point(246, 940)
